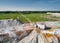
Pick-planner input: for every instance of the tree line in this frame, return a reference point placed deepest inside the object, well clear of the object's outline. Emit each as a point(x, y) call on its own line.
point(27, 12)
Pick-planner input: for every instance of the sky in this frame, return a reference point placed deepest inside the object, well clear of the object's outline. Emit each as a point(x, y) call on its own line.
point(29, 5)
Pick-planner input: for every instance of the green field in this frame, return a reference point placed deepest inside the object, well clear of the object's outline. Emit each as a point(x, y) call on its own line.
point(33, 17)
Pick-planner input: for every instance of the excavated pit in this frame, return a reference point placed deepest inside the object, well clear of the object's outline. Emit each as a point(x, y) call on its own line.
point(13, 31)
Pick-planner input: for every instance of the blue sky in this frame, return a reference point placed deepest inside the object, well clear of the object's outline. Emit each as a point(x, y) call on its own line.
point(29, 5)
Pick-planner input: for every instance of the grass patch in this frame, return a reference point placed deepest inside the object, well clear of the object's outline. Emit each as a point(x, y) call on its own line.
point(34, 17)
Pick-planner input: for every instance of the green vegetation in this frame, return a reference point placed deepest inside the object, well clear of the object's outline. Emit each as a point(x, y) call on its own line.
point(32, 17)
point(37, 17)
point(23, 16)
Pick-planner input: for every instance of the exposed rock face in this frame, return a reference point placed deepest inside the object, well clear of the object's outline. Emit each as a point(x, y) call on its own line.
point(9, 23)
point(55, 14)
point(7, 28)
point(12, 32)
point(37, 37)
point(31, 38)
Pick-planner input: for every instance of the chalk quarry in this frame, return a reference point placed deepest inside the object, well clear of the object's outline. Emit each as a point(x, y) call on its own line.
point(13, 31)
